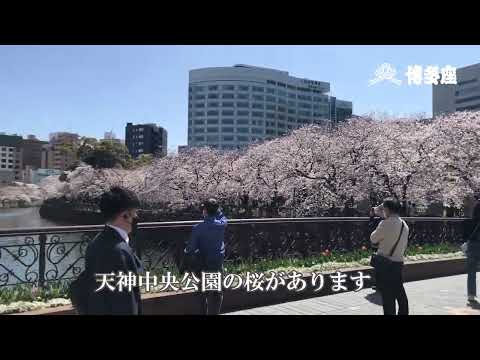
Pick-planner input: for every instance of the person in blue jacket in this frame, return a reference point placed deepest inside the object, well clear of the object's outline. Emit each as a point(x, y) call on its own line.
point(208, 247)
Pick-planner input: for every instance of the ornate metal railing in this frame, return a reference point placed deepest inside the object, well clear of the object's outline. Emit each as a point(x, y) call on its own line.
point(41, 255)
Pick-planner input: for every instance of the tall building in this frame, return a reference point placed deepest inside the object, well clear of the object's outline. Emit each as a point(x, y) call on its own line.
point(110, 137)
point(230, 107)
point(60, 153)
point(10, 158)
point(465, 95)
point(32, 152)
point(146, 139)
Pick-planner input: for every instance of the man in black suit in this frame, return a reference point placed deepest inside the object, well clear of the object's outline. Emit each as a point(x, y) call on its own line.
point(110, 252)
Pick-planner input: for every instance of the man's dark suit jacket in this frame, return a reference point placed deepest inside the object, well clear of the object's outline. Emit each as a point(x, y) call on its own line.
point(108, 253)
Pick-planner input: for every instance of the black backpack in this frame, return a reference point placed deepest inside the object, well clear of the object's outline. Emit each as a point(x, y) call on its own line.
point(79, 292)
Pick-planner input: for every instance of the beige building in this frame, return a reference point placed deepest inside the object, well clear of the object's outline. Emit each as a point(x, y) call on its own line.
point(60, 153)
point(10, 159)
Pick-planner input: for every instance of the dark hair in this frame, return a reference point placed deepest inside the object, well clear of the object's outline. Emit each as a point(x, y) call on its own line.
point(392, 205)
point(211, 205)
point(117, 200)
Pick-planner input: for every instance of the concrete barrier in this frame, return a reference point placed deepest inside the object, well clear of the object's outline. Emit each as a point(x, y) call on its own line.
point(186, 303)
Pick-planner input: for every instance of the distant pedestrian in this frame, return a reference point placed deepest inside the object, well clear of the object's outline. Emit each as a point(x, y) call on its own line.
point(472, 235)
point(391, 236)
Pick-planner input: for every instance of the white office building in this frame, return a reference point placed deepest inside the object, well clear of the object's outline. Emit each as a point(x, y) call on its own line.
point(230, 107)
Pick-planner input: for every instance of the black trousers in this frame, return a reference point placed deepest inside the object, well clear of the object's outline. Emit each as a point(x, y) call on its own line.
point(210, 301)
point(390, 282)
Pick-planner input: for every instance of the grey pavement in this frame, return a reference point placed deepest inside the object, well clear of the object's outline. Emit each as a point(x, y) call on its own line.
point(441, 296)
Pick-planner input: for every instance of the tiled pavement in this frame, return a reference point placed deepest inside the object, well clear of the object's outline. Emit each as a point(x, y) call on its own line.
point(441, 296)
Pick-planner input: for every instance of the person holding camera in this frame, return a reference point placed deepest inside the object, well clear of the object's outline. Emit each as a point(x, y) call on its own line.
point(375, 218)
point(472, 234)
point(207, 248)
point(391, 236)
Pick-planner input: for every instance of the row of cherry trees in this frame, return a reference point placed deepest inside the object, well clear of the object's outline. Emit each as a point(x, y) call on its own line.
point(315, 170)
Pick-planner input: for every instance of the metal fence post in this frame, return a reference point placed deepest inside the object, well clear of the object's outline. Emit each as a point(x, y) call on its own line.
point(42, 260)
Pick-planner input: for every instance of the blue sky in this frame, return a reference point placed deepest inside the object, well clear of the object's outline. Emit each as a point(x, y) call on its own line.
point(93, 89)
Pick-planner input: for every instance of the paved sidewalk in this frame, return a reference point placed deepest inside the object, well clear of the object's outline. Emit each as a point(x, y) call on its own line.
point(441, 296)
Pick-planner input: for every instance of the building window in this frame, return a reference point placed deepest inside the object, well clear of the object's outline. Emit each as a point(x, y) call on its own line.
point(258, 97)
point(242, 138)
point(257, 106)
point(305, 105)
point(213, 104)
point(281, 93)
point(227, 96)
point(292, 95)
point(270, 91)
point(243, 96)
point(212, 121)
point(213, 96)
point(242, 104)
point(227, 112)
point(228, 87)
point(228, 138)
point(270, 132)
point(212, 113)
point(199, 122)
point(242, 112)
point(305, 97)
point(199, 88)
point(271, 82)
point(242, 130)
point(270, 116)
point(243, 88)
point(281, 125)
point(199, 138)
point(199, 97)
point(258, 89)
point(271, 98)
point(257, 131)
point(212, 138)
point(227, 130)
point(200, 105)
point(213, 88)
point(198, 113)
point(242, 121)
point(282, 101)
point(212, 130)
point(257, 114)
point(281, 117)
point(271, 107)
point(227, 104)
point(304, 113)
point(471, 98)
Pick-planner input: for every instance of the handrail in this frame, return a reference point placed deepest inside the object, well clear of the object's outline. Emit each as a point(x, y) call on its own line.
point(188, 224)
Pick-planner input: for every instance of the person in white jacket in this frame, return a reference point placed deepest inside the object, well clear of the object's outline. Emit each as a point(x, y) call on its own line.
point(391, 237)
